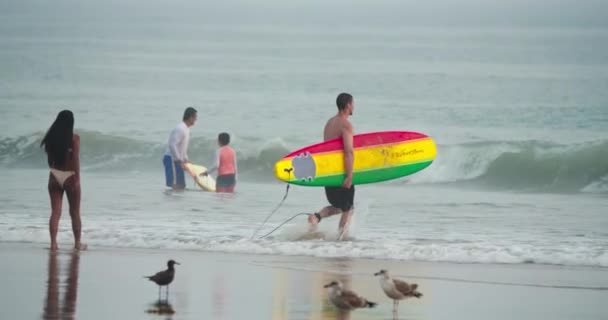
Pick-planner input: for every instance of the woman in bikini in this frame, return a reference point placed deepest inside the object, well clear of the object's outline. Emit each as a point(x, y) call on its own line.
point(62, 147)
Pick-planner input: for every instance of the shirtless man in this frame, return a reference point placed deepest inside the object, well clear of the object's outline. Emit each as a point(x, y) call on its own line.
point(340, 198)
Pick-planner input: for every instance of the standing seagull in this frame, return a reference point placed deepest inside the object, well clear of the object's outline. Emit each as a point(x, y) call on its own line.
point(345, 299)
point(164, 278)
point(397, 289)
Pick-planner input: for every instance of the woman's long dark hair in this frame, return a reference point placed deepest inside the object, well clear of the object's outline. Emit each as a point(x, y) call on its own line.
point(58, 139)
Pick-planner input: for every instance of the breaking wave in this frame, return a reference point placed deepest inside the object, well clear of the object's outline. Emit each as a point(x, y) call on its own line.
point(515, 165)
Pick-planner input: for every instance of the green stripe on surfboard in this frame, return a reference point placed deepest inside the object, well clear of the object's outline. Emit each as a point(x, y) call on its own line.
point(367, 176)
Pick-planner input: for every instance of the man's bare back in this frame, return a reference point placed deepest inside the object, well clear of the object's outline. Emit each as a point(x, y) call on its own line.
point(335, 127)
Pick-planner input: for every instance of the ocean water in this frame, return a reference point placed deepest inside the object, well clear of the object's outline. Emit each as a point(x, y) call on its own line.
point(519, 113)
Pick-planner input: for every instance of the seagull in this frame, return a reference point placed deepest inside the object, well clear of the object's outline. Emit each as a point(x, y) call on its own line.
point(345, 299)
point(397, 289)
point(164, 278)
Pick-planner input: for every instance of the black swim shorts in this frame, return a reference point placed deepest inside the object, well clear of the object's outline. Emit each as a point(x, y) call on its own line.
point(341, 198)
point(225, 181)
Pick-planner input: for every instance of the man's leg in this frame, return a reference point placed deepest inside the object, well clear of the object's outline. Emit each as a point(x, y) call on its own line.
point(179, 176)
point(344, 223)
point(348, 199)
point(169, 171)
point(313, 220)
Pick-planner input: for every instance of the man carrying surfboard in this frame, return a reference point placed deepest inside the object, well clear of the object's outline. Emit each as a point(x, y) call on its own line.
point(341, 198)
point(177, 151)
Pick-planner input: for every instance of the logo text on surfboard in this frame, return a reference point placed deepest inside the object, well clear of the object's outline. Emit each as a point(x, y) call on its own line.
point(387, 153)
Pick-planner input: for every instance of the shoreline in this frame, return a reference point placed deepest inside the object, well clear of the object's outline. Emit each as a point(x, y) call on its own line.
point(108, 282)
point(34, 245)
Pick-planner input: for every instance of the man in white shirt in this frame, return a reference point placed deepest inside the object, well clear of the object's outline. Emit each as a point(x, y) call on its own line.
point(177, 151)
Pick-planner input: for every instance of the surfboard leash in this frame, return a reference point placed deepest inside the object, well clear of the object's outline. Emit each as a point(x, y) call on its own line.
point(284, 222)
point(289, 171)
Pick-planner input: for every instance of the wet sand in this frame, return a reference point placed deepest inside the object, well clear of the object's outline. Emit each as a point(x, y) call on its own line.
point(107, 283)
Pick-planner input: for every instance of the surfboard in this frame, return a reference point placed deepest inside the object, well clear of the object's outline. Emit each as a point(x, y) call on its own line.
point(379, 156)
point(206, 183)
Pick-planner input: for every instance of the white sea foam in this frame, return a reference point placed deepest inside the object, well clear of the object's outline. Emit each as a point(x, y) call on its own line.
point(444, 251)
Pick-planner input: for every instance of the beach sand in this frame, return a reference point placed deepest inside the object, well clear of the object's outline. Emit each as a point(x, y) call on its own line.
point(108, 283)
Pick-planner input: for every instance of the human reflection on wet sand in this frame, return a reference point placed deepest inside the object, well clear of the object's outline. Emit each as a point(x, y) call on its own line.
point(52, 308)
point(218, 301)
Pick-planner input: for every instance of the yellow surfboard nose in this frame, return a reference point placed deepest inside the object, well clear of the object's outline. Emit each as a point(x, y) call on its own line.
point(283, 170)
